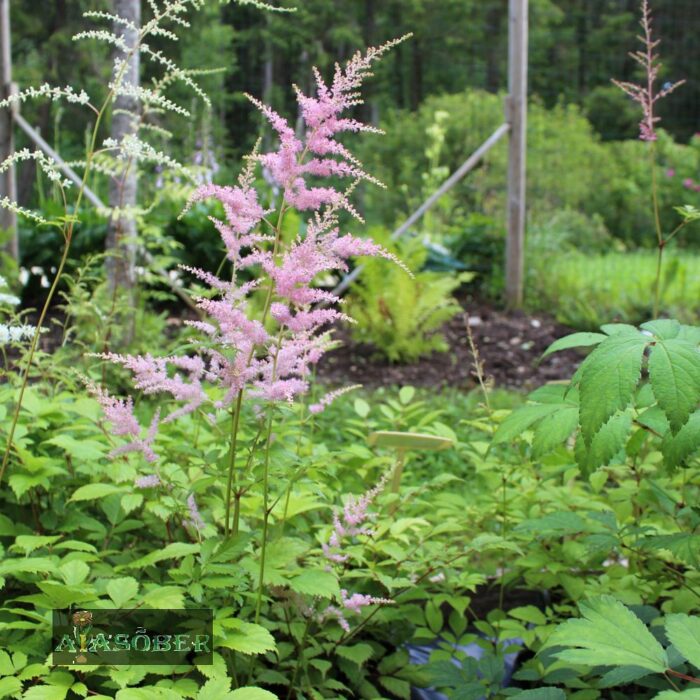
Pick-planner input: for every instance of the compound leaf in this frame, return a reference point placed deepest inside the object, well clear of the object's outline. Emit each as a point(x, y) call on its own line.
point(608, 634)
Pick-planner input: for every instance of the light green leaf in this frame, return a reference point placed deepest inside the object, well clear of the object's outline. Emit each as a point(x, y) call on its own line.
point(246, 637)
point(683, 632)
point(9, 686)
point(6, 666)
point(606, 444)
point(618, 329)
point(554, 430)
point(26, 566)
point(678, 448)
point(521, 419)
point(74, 572)
point(608, 634)
point(316, 583)
point(664, 328)
point(215, 689)
point(83, 450)
point(150, 692)
point(131, 501)
point(541, 694)
point(165, 598)
point(45, 692)
point(560, 523)
point(28, 543)
point(357, 653)
point(690, 694)
point(406, 394)
point(122, 590)
point(175, 550)
point(608, 378)
point(250, 693)
point(362, 408)
point(674, 370)
point(91, 492)
point(575, 340)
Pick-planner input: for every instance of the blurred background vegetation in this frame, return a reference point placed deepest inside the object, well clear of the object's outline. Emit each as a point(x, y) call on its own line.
point(438, 97)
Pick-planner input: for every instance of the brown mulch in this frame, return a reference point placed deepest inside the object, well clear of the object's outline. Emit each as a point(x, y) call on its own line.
point(510, 345)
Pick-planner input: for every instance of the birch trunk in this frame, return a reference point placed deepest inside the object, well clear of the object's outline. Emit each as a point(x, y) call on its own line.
point(123, 189)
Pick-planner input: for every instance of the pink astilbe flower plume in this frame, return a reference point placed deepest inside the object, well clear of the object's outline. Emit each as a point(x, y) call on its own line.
point(268, 357)
point(646, 94)
point(120, 413)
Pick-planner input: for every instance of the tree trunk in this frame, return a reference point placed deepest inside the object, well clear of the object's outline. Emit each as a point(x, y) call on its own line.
point(123, 188)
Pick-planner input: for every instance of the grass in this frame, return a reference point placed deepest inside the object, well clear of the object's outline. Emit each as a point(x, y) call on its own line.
point(585, 291)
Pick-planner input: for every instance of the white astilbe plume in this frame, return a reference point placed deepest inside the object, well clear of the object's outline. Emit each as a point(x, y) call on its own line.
point(52, 93)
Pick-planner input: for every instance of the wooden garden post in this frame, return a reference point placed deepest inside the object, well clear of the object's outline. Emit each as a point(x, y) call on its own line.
point(8, 182)
point(516, 109)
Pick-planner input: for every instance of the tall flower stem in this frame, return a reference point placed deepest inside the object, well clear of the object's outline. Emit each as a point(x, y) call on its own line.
point(235, 422)
point(266, 517)
point(661, 242)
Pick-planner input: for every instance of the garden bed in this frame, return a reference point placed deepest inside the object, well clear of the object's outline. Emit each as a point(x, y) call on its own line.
point(510, 343)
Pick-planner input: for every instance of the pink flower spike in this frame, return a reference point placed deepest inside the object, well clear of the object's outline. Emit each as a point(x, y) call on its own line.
point(329, 398)
point(646, 94)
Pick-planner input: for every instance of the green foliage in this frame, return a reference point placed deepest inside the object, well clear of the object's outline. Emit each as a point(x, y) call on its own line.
point(400, 314)
point(606, 388)
point(584, 291)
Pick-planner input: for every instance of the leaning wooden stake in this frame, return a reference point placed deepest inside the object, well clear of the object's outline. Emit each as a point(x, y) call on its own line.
point(517, 118)
point(8, 182)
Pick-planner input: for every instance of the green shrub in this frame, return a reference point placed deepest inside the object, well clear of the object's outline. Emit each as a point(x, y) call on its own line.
point(401, 315)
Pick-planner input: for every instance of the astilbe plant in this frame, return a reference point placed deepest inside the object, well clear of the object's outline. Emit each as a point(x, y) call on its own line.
point(267, 358)
point(647, 95)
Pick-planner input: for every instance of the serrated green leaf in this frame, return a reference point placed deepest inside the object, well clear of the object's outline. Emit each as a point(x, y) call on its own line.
point(575, 340)
point(246, 637)
point(560, 523)
point(623, 675)
point(122, 590)
point(520, 420)
point(315, 583)
point(553, 430)
point(541, 694)
point(683, 632)
point(664, 328)
point(684, 545)
point(677, 448)
point(215, 689)
point(32, 565)
point(609, 376)
point(619, 329)
point(608, 634)
point(91, 492)
point(29, 543)
point(83, 450)
point(10, 686)
point(250, 693)
point(175, 550)
point(359, 654)
point(45, 692)
point(397, 687)
point(74, 572)
point(674, 371)
point(606, 444)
